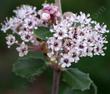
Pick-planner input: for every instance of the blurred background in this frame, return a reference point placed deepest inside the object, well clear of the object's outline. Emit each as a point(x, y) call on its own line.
point(98, 67)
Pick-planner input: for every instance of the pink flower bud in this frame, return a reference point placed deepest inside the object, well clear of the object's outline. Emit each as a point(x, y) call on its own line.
point(45, 16)
point(58, 14)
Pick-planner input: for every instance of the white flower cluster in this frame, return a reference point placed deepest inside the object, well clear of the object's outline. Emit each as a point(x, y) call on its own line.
point(74, 37)
point(24, 22)
point(22, 25)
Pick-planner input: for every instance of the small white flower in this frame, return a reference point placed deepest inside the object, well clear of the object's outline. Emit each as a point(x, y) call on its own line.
point(66, 61)
point(54, 44)
point(5, 26)
point(10, 40)
point(12, 24)
point(30, 22)
point(60, 35)
point(26, 36)
point(101, 28)
point(24, 11)
point(83, 18)
point(22, 49)
point(60, 27)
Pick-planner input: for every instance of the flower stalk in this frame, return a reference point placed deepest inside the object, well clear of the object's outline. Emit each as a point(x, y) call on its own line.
point(56, 81)
point(56, 71)
point(58, 3)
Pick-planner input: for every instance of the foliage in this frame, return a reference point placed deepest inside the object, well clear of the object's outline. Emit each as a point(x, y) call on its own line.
point(30, 66)
point(43, 33)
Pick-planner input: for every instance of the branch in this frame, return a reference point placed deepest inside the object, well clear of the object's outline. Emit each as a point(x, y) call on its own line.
point(58, 3)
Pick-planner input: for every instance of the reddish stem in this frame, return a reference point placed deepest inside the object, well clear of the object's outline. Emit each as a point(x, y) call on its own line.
point(56, 81)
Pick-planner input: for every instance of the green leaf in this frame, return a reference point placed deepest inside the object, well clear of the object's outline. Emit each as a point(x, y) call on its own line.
point(77, 79)
point(68, 90)
point(18, 82)
point(35, 55)
point(43, 33)
point(30, 66)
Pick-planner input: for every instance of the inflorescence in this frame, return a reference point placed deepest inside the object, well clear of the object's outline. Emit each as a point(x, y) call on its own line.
point(74, 35)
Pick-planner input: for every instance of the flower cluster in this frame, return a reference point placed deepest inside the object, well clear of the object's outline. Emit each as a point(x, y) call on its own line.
point(22, 25)
point(74, 37)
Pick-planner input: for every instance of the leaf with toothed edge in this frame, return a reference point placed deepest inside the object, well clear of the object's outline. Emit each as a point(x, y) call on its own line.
point(65, 89)
point(30, 66)
point(76, 79)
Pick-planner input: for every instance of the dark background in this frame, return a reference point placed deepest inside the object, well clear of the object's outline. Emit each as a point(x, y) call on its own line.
point(98, 67)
